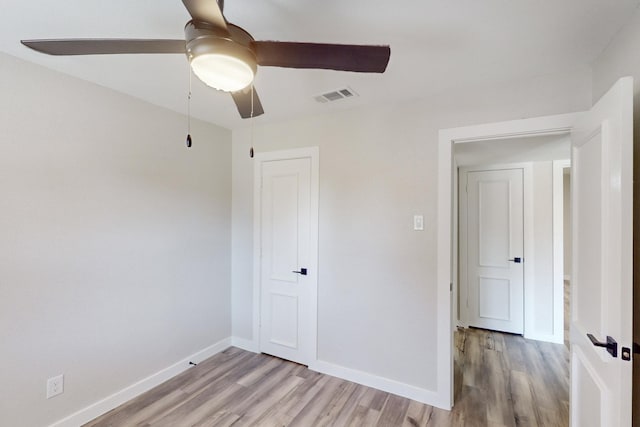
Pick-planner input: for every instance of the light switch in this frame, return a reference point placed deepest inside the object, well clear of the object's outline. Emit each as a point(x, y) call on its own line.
point(418, 222)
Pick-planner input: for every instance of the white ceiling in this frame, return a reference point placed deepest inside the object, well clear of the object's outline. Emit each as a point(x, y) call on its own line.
point(435, 45)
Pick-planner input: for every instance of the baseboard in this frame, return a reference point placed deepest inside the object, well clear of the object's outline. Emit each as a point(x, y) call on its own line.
point(245, 344)
point(118, 398)
point(405, 390)
point(421, 395)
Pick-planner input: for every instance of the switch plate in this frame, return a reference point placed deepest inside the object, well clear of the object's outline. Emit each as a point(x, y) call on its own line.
point(55, 386)
point(418, 222)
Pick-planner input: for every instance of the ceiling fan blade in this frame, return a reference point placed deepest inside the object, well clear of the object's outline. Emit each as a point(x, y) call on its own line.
point(362, 59)
point(104, 46)
point(242, 98)
point(206, 11)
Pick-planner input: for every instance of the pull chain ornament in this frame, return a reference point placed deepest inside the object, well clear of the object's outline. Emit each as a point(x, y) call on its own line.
point(189, 141)
point(251, 149)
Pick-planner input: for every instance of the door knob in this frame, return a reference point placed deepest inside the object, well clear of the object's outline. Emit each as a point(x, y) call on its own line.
point(517, 260)
point(303, 272)
point(611, 345)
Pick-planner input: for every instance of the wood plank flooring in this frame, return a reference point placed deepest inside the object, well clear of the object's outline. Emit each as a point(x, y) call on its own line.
point(500, 380)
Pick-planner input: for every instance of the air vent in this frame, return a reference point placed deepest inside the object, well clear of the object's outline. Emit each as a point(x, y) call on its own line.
point(335, 95)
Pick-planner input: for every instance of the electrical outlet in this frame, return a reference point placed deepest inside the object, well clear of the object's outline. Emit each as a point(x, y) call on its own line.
point(55, 386)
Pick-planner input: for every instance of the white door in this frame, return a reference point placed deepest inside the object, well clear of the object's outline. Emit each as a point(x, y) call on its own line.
point(288, 262)
point(601, 294)
point(493, 231)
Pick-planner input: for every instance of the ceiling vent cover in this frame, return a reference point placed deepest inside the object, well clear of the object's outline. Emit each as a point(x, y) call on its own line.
point(336, 95)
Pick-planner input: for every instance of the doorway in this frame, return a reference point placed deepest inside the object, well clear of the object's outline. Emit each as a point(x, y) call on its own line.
point(529, 215)
point(447, 269)
point(602, 214)
point(602, 153)
point(530, 251)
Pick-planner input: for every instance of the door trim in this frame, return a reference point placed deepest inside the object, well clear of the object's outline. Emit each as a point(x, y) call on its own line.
point(558, 250)
point(312, 153)
point(528, 252)
point(446, 262)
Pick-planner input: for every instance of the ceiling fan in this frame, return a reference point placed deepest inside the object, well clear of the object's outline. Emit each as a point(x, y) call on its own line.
point(225, 56)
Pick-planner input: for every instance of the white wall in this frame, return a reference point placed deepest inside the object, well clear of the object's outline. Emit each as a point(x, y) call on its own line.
point(378, 167)
point(619, 59)
point(114, 255)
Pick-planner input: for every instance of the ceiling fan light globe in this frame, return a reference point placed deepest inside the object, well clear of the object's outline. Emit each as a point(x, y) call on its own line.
point(223, 72)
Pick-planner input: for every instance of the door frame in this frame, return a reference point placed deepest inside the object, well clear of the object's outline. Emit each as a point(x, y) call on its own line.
point(446, 261)
point(527, 249)
point(558, 249)
point(312, 153)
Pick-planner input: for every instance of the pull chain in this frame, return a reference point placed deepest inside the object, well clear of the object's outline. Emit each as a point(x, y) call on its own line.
point(189, 113)
point(251, 118)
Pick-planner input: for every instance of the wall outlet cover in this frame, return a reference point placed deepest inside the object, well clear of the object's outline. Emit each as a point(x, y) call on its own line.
point(55, 386)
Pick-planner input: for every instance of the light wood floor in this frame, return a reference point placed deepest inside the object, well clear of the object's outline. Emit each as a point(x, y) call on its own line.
point(501, 380)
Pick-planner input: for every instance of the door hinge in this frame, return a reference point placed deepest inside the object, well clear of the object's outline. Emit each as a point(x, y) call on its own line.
point(450, 287)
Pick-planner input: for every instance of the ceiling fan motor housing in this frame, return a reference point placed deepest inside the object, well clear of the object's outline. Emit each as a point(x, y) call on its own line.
point(205, 39)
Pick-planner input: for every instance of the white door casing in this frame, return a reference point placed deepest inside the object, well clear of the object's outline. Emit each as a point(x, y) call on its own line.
point(601, 294)
point(446, 259)
point(287, 241)
point(558, 249)
point(492, 248)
